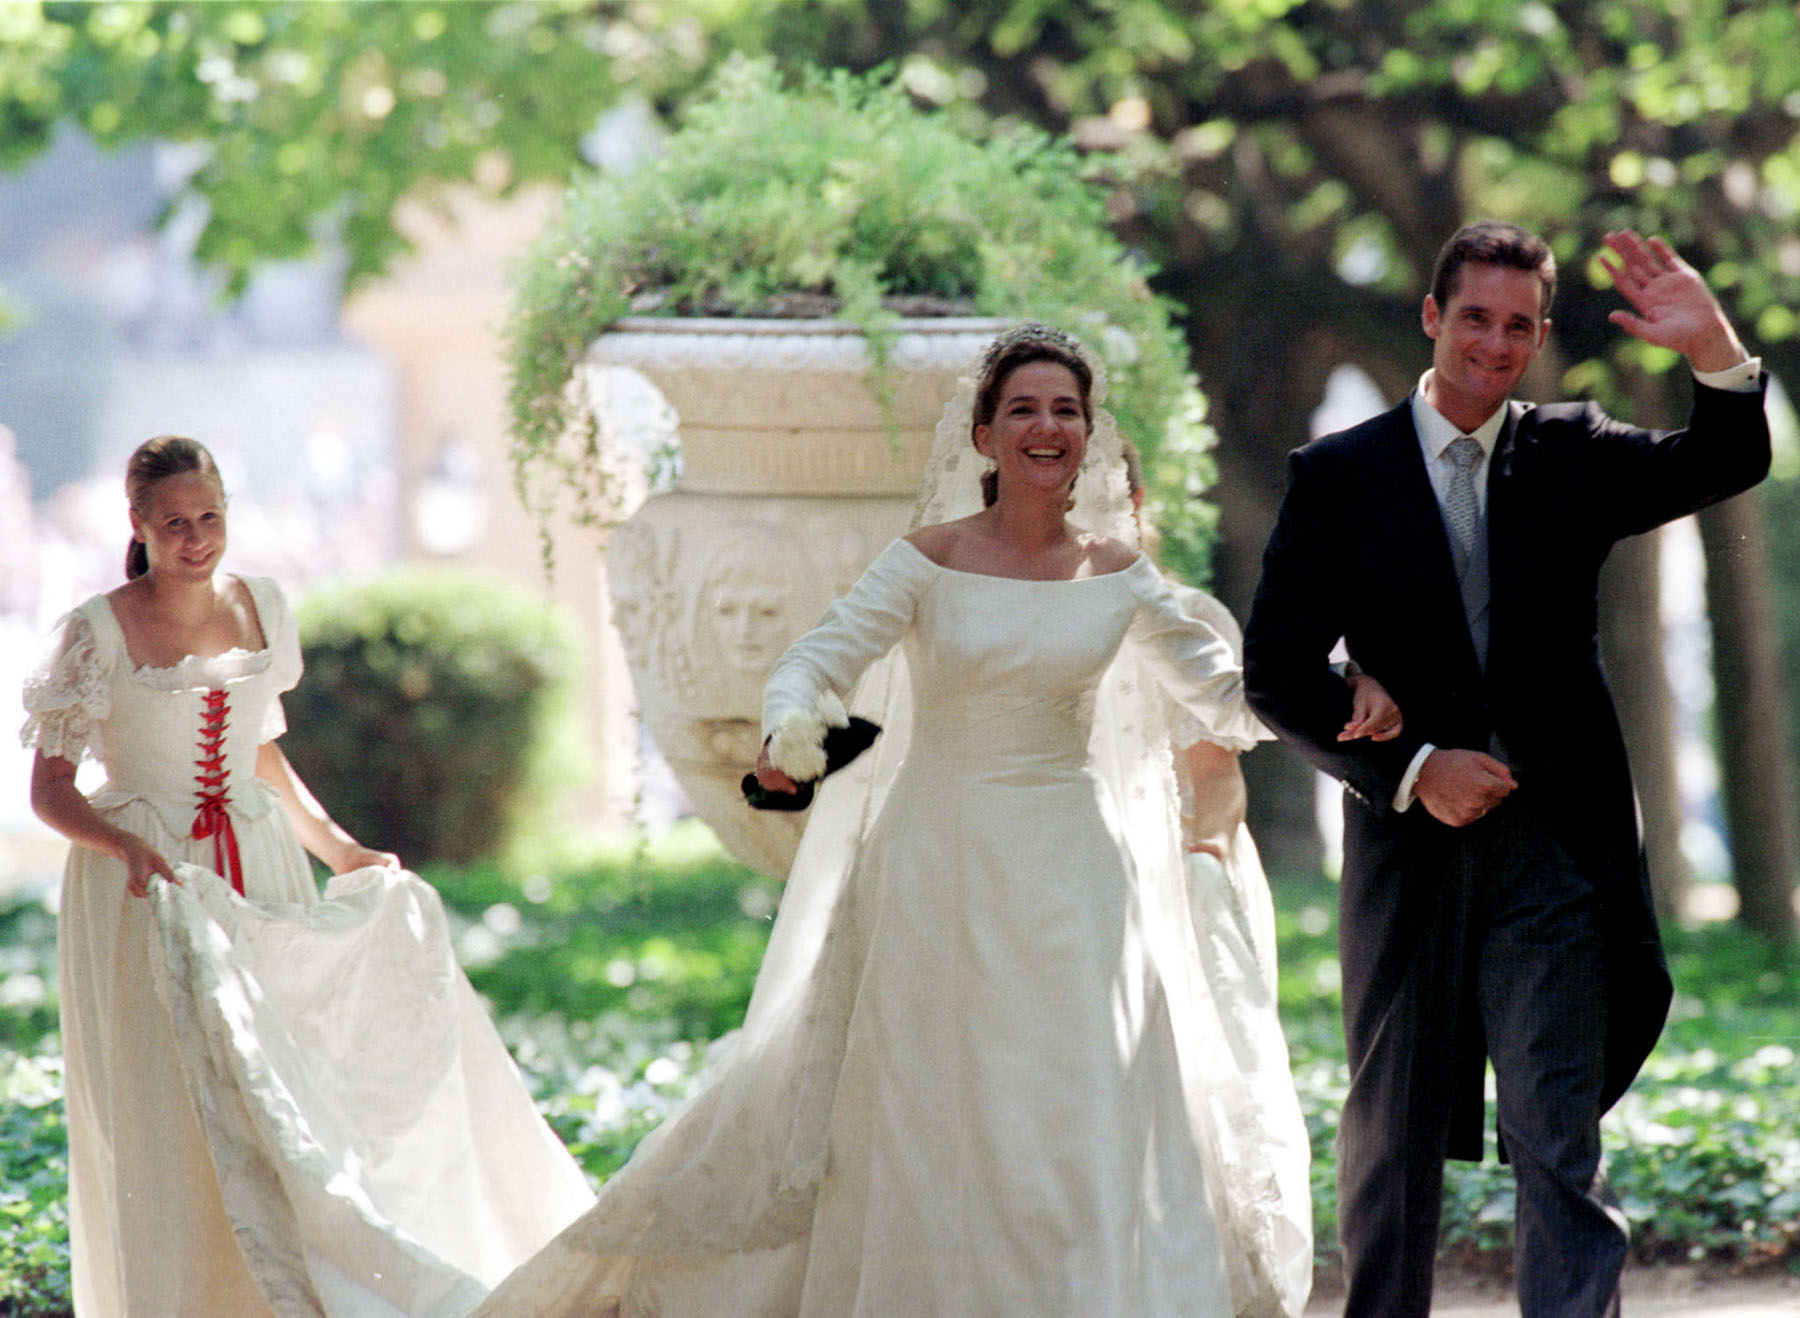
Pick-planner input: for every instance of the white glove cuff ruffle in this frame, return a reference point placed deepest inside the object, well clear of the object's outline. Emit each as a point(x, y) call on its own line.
point(797, 746)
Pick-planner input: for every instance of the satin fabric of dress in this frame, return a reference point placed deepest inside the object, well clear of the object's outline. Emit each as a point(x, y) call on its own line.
point(975, 1073)
point(377, 1154)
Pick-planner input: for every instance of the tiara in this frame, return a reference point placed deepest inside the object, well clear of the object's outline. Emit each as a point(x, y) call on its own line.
point(1032, 331)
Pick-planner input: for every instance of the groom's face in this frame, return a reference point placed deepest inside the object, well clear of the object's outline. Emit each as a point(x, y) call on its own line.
point(1484, 337)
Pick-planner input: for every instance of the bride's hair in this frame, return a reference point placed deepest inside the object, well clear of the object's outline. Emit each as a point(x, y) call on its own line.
point(156, 460)
point(1033, 341)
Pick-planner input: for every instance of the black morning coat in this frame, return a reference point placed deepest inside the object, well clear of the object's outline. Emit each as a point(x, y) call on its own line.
point(1359, 551)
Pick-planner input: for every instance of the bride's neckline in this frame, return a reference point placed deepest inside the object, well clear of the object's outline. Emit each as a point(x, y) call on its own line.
point(1033, 581)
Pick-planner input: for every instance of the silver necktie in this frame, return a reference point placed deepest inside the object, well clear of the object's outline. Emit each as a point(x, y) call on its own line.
point(1462, 513)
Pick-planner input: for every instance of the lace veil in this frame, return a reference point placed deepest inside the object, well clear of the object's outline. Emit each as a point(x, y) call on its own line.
point(738, 1170)
point(951, 486)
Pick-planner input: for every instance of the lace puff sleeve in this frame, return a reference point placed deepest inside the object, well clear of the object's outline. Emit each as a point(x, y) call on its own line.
point(282, 632)
point(70, 694)
point(1191, 645)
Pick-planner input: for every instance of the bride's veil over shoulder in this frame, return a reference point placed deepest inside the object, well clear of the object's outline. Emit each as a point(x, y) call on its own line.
point(718, 1201)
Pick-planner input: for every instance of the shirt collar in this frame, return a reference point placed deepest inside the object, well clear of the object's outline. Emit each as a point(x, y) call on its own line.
point(1436, 432)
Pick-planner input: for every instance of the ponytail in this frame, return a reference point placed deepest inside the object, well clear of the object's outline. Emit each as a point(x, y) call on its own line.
point(137, 559)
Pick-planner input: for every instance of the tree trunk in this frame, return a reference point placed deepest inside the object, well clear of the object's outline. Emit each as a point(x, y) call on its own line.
point(1238, 355)
point(1282, 802)
point(1631, 643)
point(1755, 768)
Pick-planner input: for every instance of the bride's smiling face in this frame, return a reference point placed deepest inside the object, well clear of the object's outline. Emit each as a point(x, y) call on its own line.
point(1039, 432)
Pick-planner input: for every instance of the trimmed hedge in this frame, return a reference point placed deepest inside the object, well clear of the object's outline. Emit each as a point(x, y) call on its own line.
point(429, 714)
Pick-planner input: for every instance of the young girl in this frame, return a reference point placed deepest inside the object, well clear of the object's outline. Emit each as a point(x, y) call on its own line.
point(193, 1104)
point(171, 680)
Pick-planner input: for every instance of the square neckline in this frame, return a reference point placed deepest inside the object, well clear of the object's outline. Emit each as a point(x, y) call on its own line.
point(235, 652)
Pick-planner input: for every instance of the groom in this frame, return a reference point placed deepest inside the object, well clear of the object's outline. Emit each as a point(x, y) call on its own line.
point(1494, 904)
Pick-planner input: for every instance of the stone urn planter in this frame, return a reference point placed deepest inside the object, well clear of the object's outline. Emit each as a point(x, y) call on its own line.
point(793, 477)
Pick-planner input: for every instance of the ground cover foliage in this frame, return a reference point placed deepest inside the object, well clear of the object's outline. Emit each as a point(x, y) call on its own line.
point(1702, 1151)
point(610, 973)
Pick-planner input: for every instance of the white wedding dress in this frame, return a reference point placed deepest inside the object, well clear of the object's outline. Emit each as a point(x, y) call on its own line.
point(274, 1103)
point(984, 1068)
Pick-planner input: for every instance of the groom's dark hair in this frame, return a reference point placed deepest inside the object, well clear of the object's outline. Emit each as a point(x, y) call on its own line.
point(1494, 242)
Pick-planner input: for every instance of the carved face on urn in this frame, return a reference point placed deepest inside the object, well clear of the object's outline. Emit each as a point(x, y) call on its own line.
point(745, 615)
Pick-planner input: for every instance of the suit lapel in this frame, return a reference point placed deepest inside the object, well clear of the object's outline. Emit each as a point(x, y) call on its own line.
point(1415, 525)
point(1505, 561)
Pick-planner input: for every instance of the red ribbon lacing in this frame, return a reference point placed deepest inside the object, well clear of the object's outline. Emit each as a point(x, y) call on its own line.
point(212, 820)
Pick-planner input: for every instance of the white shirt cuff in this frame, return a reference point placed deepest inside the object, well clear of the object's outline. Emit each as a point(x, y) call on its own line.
point(1404, 797)
point(1739, 379)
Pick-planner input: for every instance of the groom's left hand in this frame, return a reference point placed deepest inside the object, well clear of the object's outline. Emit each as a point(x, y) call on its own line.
point(1457, 787)
point(1671, 305)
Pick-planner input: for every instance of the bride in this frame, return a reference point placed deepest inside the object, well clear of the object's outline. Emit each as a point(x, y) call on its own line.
point(985, 1068)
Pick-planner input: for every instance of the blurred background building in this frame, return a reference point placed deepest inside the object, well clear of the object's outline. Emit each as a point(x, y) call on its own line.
point(349, 438)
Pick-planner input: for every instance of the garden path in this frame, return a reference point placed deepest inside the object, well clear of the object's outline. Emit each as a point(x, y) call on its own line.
point(1661, 1292)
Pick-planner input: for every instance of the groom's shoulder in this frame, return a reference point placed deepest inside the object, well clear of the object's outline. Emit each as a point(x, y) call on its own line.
point(1577, 413)
point(1353, 441)
point(1555, 427)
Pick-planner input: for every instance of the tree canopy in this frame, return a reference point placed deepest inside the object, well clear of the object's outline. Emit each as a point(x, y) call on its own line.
point(314, 120)
point(1339, 139)
point(1334, 138)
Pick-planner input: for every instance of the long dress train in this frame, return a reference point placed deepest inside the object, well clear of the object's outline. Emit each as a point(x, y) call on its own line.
point(983, 1070)
point(273, 1102)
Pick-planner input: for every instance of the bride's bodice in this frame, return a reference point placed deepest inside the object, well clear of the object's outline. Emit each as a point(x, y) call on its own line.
point(1008, 669)
point(1004, 671)
point(183, 738)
